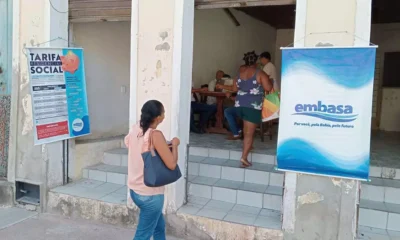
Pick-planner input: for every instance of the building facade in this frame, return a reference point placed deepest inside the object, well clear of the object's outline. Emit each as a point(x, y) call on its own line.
point(154, 57)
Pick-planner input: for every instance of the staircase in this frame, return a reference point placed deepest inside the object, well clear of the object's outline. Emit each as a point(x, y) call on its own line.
point(215, 175)
point(380, 203)
point(220, 190)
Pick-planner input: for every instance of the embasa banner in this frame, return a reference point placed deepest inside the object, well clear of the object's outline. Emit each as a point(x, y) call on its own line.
point(58, 90)
point(325, 115)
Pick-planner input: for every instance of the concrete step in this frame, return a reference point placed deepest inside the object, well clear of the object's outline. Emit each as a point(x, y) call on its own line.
point(387, 172)
point(106, 202)
point(107, 173)
point(368, 233)
point(381, 190)
point(116, 157)
point(259, 173)
point(380, 204)
point(232, 155)
point(384, 172)
point(231, 212)
point(379, 215)
point(242, 193)
point(96, 190)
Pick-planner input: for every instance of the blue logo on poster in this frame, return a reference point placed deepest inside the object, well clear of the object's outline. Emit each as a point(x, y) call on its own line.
point(334, 113)
point(81, 126)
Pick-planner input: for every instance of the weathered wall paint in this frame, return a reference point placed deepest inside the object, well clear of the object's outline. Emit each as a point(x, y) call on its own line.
point(161, 66)
point(34, 22)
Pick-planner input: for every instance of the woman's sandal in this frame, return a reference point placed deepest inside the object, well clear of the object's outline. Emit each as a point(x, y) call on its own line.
point(245, 163)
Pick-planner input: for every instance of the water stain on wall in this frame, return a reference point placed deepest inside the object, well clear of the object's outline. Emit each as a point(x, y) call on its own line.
point(27, 108)
point(163, 47)
point(158, 68)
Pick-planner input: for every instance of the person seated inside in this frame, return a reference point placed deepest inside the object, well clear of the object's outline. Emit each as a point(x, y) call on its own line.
point(208, 107)
point(220, 78)
point(205, 110)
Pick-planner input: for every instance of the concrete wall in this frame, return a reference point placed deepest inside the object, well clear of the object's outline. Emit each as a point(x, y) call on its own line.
point(387, 37)
point(219, 44)
point(34, 22)
point(316, 207)
point(390, 116)
point(107, 59)
point(155, 35)
point(284, 38)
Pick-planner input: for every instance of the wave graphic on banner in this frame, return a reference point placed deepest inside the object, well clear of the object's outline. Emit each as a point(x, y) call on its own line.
point(353, 68)
point(298, 155)
point(329, 117)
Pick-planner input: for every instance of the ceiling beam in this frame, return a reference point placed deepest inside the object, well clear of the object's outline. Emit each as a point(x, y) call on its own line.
point(210, 4)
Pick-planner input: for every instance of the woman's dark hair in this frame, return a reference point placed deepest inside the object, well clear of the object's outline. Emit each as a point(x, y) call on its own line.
point(250, 58)
point(150, 111)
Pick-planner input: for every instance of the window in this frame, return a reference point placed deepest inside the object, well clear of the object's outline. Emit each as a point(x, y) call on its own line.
point(391, 70)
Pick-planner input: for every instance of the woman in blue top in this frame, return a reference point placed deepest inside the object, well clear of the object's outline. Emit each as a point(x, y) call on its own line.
point(250, 86)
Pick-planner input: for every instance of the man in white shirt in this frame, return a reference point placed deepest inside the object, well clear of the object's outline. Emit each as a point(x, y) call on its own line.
point(269, 69)
point(211, 87)
point(219, 79)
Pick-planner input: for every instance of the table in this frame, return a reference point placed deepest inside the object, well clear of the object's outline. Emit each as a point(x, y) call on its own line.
point(219, 126)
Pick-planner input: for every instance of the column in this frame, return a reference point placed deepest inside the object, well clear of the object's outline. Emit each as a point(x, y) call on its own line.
point(34, 22)
point(324, 207)
point(161, 69)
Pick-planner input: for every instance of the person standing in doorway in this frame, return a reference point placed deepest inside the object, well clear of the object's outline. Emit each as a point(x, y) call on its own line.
point(269, 69)
point(150, 200)
point(250, 86)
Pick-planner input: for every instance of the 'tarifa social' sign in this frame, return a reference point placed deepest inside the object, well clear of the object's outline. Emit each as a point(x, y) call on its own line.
point(326, 105)
point(58, 94)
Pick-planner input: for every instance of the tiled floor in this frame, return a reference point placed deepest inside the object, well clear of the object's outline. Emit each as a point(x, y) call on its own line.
point(234, 213)
point(365, 233)
point(98, 190)
point(385, 150)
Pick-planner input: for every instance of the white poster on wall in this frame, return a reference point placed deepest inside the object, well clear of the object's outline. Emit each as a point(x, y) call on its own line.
point(325, 115)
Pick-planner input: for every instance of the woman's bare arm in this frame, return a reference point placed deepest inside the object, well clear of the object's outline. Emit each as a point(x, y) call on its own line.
point(169, 157)
point(264, 80)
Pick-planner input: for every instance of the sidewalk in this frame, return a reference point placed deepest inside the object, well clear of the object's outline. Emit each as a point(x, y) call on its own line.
point(20, 224)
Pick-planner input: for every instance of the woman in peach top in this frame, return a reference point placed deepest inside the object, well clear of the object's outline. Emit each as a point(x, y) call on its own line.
point(150, 200)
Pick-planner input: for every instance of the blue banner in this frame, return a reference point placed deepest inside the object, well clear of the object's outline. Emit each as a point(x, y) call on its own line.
point(325, 115)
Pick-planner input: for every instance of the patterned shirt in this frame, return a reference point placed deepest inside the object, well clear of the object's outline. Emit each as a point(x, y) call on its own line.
point(250, 93)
